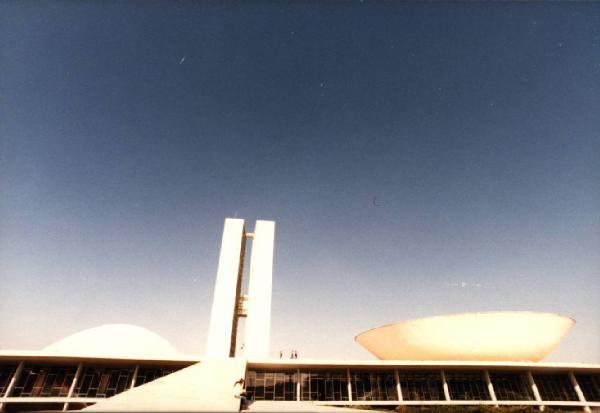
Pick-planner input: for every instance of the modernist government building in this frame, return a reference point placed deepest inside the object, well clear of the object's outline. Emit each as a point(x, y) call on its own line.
point(489, 359)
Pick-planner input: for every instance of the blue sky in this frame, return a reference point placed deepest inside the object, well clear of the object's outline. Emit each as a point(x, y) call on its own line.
point(419, 159)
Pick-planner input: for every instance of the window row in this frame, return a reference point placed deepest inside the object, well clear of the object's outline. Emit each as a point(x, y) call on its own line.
point(421, 385)
point(95, 381)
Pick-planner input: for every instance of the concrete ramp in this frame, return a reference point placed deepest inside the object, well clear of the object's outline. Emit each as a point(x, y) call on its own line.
point(205, 386)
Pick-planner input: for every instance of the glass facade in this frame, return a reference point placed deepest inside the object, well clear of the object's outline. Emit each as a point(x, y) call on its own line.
point(590, 386)
point(511, 386)
point(467, 385)
point(270, 385)
point(6, 373)
point(366, 384)
point(421, 385)
point(44, 381)
point(555, 387)
point(147, 374)
point(370, 385)
point(416, 385)
point(103, 381)
point(324, 385)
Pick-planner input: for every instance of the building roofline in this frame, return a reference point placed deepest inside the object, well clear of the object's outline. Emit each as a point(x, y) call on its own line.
point(35, 355)
point(297, 363)
point(28, 355)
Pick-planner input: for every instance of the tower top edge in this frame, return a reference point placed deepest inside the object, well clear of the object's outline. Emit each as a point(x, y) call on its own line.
point(234, 219)
point(262, 221)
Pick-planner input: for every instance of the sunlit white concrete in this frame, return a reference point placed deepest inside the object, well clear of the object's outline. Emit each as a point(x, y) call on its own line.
point(258, 324)
point(222, 314)
point(206, 386)
point(506, 335)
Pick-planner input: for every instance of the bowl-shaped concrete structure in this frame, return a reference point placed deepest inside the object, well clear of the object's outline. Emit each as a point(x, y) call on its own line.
point(497, 336)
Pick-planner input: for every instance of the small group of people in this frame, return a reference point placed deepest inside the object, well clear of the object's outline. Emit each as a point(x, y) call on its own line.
point(293, 354)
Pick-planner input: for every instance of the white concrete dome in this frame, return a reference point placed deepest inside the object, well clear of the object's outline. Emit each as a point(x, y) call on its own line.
point(490, 336)
point(113, 341)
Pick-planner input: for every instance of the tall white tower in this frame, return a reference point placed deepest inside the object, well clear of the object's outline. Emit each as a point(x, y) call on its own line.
point(258, 324)
point(229, 303)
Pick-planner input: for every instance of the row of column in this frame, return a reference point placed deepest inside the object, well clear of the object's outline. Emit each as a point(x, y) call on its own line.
point(487, 379)
point(76, 378)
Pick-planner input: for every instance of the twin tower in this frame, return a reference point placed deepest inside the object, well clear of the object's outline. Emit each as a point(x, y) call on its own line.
point(230, 303)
